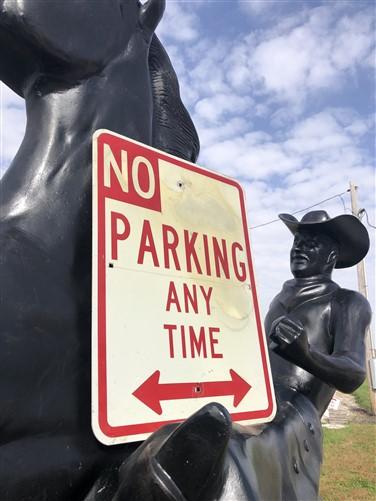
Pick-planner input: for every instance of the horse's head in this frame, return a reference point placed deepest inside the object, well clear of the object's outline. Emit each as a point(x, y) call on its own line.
point(60, 43)
point(76, 36)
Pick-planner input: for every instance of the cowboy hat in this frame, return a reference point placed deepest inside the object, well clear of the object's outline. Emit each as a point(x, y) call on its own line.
point(347, 230)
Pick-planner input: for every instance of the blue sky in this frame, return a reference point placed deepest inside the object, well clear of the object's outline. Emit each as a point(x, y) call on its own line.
point(282, 94)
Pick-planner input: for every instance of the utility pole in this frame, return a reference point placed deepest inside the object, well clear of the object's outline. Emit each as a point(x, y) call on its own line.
point(362, 285)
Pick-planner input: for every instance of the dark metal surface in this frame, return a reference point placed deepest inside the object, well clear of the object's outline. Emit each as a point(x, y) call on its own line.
point(81, 68)
point(80, 65)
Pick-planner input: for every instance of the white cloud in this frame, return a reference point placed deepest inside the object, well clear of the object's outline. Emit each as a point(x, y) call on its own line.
point(353, 40)
point(279, 72)
point(256, 7)
point(318, 133)
point(12, 125)
point(291, 64)
point(179, 23)
point(231, 128)
point(216, 107)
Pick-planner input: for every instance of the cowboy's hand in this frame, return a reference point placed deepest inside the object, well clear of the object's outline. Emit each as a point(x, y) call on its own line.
point(290, 339)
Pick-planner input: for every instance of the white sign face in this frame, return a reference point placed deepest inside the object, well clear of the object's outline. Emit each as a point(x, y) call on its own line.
point(176, 323)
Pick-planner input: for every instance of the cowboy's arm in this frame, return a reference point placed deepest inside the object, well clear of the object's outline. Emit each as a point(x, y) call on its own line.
point(344, 368)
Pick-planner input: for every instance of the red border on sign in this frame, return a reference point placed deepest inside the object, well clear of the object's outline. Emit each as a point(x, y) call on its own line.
point(136, 429)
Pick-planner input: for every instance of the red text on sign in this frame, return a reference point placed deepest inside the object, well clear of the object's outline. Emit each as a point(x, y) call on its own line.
point(191, 343)
point(120, 230)
point(191, 298)
point(191, 252)
point(128, 176)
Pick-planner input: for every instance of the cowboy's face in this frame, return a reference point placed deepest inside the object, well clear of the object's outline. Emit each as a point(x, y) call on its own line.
point(311, 254)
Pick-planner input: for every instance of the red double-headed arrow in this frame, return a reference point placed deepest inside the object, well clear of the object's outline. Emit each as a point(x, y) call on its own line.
point(151, 392)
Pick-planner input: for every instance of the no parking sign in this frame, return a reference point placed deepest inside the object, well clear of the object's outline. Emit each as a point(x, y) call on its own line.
point(175, 316)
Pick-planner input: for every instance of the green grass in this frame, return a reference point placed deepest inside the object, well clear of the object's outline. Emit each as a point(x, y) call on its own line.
point(349, 468)
point(362, 397)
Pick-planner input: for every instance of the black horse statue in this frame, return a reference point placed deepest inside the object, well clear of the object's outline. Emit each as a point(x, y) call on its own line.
point(83, 65)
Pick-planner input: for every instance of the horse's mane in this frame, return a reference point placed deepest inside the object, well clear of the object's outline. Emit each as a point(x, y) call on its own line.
point(173, 129)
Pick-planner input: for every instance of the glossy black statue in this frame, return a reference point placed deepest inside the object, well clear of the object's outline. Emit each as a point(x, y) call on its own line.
point(83, 65)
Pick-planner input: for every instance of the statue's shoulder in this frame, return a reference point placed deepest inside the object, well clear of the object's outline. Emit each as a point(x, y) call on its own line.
point(351, 301)
point(282, 293)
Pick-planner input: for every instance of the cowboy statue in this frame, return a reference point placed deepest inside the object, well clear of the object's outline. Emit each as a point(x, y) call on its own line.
point(314, 324)
point(316, 333)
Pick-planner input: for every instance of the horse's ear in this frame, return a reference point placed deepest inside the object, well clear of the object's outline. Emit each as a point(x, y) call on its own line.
point(151, 13)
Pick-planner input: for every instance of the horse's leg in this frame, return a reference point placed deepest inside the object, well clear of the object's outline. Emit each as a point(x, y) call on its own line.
point(184, 463)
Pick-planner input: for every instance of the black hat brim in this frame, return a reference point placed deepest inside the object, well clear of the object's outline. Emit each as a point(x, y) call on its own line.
point(349, 233)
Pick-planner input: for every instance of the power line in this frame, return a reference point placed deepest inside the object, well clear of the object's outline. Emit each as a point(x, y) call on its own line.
point(306, 208)
point(364, 211)
point(345, 208)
